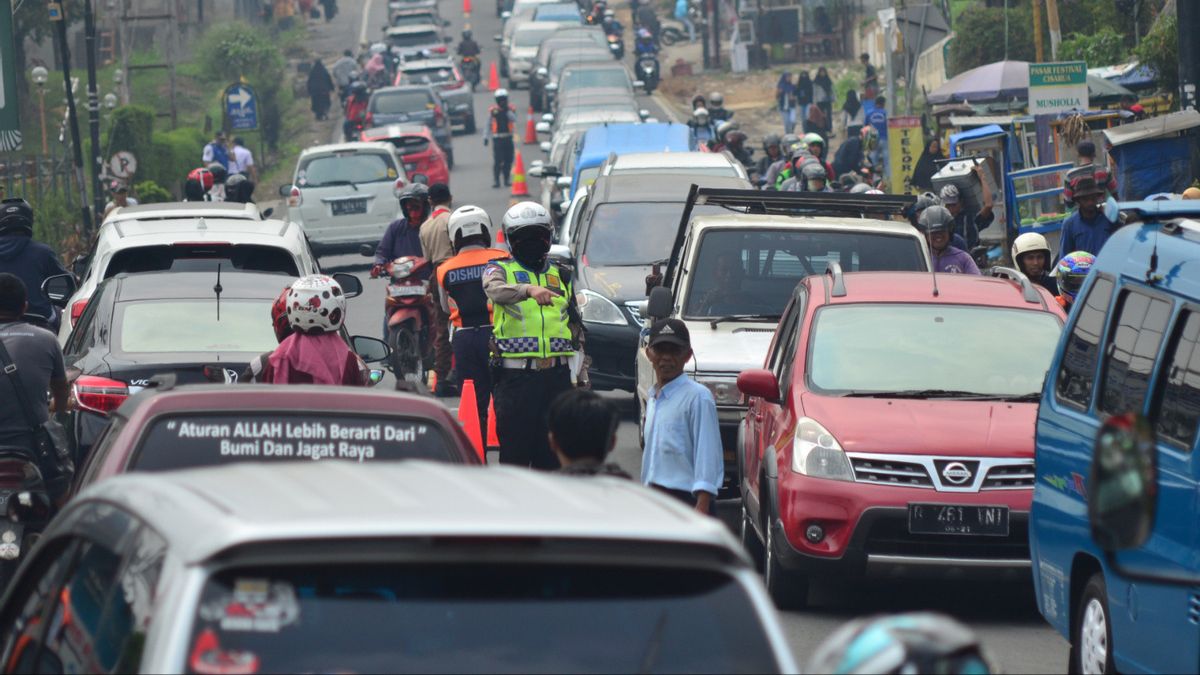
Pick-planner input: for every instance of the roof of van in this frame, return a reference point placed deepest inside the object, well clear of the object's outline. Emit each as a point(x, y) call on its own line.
point(1175, 241)
point(602, 140)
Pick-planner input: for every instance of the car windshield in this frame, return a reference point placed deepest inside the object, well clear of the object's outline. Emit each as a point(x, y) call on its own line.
point(991, 351)
point(531, 35)
point(355, 167)
point(595, 77)
point(190, 326)
point(180, 441)
point(429, 75)
point(452, 617)
point(752, 271)
point(392, 102)
point(651, 224)
point(425, 37)
point(202, 258)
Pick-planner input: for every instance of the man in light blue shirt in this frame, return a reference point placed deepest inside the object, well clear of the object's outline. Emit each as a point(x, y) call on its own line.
point(683, 455)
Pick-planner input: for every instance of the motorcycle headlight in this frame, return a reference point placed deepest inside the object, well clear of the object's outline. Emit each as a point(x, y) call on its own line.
point(596, 308)
point(817, 454)
point(724, 389)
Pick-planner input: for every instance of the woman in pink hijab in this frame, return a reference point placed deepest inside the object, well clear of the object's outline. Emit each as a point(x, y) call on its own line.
point(315, 353)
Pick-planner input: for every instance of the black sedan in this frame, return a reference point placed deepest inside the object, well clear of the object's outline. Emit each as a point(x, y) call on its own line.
point(197, 326)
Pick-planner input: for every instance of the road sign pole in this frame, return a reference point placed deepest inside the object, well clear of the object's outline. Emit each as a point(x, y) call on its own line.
point(65, 51)
point(89, 23)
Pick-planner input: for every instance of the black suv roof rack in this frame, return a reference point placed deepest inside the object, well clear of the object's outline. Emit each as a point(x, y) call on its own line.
point(770, 202)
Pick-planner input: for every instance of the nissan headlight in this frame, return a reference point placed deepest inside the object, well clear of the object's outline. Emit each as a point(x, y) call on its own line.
point(817, 454)
point(595, 308)
point(724, 390)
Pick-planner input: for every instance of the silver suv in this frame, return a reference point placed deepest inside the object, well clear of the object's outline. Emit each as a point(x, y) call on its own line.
point(406, 566)
point(345, 195)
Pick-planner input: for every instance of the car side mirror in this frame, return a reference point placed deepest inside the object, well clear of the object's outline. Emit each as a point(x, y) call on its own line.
point(266, 213)
point(1123, 485)
point(543, 127)
point(545, 146)
point(369, 349)
point(351, 285)
point(563, 181)
point(367, 251)
point(536, 170)
point(285, 190)
point(661, 303)
point(560, 254)
point(59, 288)
point(759, 383)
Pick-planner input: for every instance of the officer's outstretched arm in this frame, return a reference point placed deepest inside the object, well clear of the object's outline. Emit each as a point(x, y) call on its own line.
point(499, 291)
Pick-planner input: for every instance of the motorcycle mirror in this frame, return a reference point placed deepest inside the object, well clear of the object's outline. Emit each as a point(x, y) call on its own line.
point(266, 213)
point(351, 285)
point(367, 251)
point(59, 288)
point(285, 190)
point(543, 127)
point(369, 349)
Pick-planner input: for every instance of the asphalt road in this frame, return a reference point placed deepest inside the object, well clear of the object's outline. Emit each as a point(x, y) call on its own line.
point(1004, 615)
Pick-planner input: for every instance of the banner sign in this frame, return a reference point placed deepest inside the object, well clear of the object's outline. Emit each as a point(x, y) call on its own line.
point(1057, 87)
point(904, 147)
point(10, 105)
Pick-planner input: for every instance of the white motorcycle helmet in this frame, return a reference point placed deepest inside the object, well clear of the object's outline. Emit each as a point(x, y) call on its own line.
point(377, 48)
point(1028, 243)
point(700, 115)
point(523, 216)
point(501, 93)
point(469, 221)
point(316, 304)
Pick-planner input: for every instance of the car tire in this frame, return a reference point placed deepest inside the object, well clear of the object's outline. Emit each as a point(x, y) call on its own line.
point(749, 536)
point(1091, 634)
point(788, 590)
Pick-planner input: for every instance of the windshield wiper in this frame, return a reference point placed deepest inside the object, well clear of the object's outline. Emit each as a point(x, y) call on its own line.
point(1031, 397)
point(742, 317)
point(335, 183)
point(922, 393)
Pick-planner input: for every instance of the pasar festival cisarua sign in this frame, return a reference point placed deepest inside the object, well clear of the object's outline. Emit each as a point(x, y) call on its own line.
point(1057, 87)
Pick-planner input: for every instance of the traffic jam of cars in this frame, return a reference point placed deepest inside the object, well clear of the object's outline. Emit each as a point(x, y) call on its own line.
point(248, 480)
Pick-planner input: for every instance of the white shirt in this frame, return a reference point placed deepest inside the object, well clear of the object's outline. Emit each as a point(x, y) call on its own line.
point(240, 159)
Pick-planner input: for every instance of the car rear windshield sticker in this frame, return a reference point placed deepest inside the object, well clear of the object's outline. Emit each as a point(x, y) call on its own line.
point(192, 441)
point(257, 605)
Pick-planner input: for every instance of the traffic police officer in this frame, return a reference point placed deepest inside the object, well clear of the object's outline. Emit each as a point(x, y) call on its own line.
point(502, 121)
point(462, 298)
point(536, 330)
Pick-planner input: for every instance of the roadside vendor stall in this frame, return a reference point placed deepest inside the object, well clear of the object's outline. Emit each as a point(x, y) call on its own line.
point(1154, 155)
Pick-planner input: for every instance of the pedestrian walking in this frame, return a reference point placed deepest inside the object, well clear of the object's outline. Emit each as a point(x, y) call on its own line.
point(436, 244)
point(681, 13)
point(683, 455)
point(583, 431)
point(320, 86)
point(535, 335)
point(853, 116)
point(331, 9)
point(785, 102)
point(242, 160)
point(870, 78)
point(462, 299)
point(823, 98)
point(502, 121)
point(216, 151)
point(804, 96)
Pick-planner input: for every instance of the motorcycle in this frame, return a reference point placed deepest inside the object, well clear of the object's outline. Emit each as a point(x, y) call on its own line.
point(409, 309)
point(470, 69)
point(27, 508)
point(647, 67)
point(616, 45)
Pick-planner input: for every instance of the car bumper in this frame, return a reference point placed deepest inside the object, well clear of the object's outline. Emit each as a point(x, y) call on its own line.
point(518, 70)
point(866, 532)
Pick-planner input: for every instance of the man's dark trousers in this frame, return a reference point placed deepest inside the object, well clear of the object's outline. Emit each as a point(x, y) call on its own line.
point(502, 159)
point(522, 399)
point(471, 363)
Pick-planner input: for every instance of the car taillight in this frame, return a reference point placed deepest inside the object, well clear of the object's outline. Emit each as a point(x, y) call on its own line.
point(399, 184)
point(439, 49)
point(438, 116)
point(77, 308)
point(294, 198)
point(14, 473)
point(100, 394)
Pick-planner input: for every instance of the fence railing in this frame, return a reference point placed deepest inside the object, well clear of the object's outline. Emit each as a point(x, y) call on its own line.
point(33, 177)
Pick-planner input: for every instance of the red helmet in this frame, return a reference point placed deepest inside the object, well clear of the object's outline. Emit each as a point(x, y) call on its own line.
point(279, 317)
point(203, 176)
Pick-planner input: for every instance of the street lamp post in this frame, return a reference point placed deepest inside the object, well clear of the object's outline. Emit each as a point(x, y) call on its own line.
point(40, 75)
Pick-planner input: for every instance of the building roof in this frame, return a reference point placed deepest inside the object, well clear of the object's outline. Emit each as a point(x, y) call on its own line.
point(203, 512)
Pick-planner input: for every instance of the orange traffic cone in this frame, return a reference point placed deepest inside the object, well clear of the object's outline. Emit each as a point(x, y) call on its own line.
point(493, 441)
point(493, 78)
point(530, 130)
point(468, 415)
point(519, 188)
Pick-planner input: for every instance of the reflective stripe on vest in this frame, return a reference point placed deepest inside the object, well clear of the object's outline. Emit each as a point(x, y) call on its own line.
point(530, 330)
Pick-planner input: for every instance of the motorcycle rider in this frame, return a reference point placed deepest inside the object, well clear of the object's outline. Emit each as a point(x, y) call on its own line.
point(502, 121)
point(733, 141)
point(1072, 270)
point(816, 147)
point(239, 188)
point(216, 193)
point(199, 182)
point(31, 261)
point(403, 235)
point(315, 352)
point(468, 46)
point(461, 295)
point(703, 131)
point(937, 224)
point(772, 152)
point(717, 109)
point(610, 24)
point(699, 102)
point(788, 145)
point(356, 111)
point(536, 332)
point(1032, 256)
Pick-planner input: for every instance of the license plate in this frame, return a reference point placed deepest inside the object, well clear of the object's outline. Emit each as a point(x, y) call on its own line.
point(403, 291)
point(988, 521)
point(349, 207)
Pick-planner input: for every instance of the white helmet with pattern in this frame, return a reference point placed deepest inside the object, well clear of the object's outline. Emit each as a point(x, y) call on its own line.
point(523, 217)
point(469, 221)
point(316, 304)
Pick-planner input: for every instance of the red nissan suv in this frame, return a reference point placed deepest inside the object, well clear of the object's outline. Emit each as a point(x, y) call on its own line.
point(891, 430)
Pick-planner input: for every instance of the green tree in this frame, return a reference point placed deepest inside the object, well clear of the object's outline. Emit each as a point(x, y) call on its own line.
point(231, 52)
point(1159, 49)
point(149, 192)
point(1105, 47)
point(31, 21)
point(980, 37)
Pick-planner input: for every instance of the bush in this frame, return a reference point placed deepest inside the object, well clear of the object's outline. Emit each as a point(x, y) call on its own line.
point(56, 222)
point(980, 38)
point(175, 153)
point(234, 52)
point(1159, 49)
point(149, 192)
point(1106, 47)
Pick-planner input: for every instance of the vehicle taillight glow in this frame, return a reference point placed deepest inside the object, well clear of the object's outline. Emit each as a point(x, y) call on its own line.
point(400, 183)
point(100, 394)
point(77, 308)
point(439, 49)
point(294, 198)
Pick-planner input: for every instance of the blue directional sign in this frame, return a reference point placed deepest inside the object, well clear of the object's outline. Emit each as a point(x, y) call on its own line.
point(241, 107)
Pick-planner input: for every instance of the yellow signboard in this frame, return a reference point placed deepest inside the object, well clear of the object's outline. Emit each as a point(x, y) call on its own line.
point(904, 147)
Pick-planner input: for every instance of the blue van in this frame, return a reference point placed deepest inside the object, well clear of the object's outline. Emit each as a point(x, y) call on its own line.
point(1131, 345)
point(601, 141)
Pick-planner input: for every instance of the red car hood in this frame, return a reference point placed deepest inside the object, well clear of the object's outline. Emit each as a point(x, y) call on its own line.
point(926, 427)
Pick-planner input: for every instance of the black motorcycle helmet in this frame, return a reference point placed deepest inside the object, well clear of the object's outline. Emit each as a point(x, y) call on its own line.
point(415, 192)
point(239, 188)
point(16, 218)
point(466, 34)
point(772, 139)
point(218, 171)
point(358, 89)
